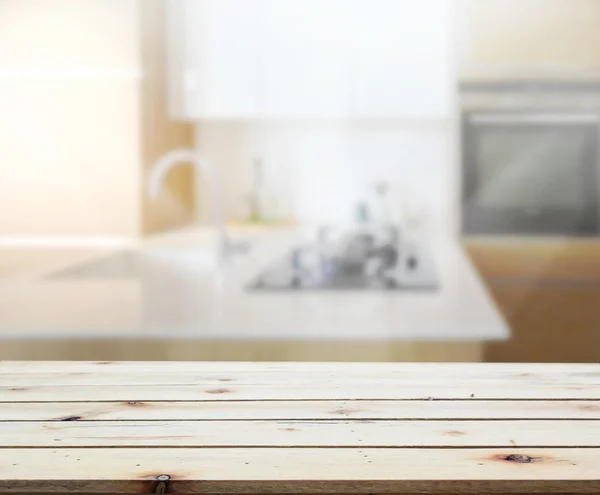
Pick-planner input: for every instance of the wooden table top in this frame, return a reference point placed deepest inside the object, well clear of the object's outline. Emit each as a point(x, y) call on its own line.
point(184, 427)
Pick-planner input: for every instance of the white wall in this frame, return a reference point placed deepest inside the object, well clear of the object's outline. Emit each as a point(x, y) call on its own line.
point(317, 170)
point(69, 117)
point(559, 33)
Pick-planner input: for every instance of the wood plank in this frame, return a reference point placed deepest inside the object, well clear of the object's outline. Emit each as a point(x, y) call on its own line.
point(307, 470)
point(304, 433)
point(274, 410)
point(441, 369)
point(299, 391)
point(235, 432)
point(313, 381)
point(397, 375)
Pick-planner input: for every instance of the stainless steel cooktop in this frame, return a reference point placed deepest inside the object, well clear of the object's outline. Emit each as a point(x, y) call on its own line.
point(359, 266)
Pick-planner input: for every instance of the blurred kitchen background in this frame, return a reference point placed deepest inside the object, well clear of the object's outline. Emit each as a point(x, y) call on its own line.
point(355, 180)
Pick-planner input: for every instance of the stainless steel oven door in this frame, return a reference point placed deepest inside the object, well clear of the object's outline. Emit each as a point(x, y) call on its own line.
point(530, 173)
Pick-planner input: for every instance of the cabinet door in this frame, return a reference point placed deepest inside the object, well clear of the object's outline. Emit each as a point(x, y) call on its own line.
point(549, 294)
point(402, 66)
point(312, 58)
point(306, 58)
point(549, 262)
point(219, 57)
point(549, 323)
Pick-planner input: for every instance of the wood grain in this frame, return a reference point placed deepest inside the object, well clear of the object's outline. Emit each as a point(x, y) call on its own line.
point(239, 470)
point(405, 377)
point(465, 370)
point(260, 428)
point(376, 391)
point(251, 382)
point(294, 410)
point(300, 433)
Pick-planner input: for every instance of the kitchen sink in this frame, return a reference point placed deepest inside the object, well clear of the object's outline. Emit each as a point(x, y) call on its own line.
point(143, 263)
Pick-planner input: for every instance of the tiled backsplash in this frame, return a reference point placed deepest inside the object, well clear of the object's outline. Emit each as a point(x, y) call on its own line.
point(316, 171)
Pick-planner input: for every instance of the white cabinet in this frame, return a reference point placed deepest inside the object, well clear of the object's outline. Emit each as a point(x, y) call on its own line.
point(239, 59)
point(306, 58)
point(403, 58)
point(214, 50)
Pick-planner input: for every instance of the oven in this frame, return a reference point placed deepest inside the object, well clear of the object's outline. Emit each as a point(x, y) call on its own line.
point(530, 172)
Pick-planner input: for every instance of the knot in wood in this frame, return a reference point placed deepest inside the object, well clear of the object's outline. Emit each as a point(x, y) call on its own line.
point(519, 458)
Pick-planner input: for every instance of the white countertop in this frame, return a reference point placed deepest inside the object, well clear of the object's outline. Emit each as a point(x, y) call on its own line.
point(207, 303)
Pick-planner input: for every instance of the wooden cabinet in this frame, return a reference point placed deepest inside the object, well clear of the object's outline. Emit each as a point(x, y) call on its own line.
point(310, 58)
point(549, 324)
point(550, 295)
point(84, 349)
point(537, 262)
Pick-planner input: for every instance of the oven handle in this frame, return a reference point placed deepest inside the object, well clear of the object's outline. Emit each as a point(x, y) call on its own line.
point(534, 118)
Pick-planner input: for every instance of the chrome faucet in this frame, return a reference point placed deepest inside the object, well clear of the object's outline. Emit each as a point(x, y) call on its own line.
point(177, 157)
